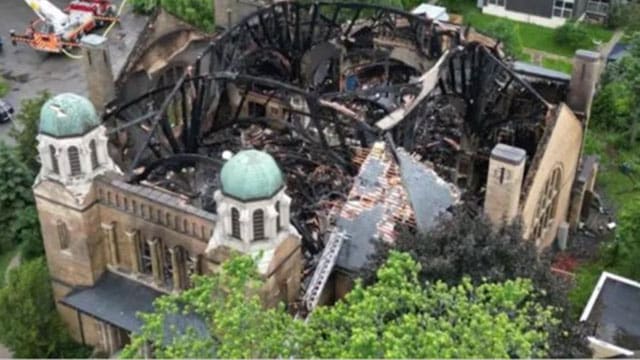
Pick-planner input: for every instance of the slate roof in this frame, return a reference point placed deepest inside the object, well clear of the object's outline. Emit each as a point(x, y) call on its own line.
point(428, 193)
point(387, 193)
point(116, 300)
point(539, 71)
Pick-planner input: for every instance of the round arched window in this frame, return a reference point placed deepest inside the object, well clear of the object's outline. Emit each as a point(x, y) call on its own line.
point(547, 205)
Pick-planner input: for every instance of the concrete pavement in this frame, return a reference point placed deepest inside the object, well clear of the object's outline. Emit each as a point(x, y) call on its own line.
point(30, 72)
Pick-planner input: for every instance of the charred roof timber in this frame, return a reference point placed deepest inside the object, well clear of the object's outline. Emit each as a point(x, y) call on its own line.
point(316, 85)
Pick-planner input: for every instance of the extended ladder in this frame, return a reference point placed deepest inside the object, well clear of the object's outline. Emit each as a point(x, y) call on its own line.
point(323, 270)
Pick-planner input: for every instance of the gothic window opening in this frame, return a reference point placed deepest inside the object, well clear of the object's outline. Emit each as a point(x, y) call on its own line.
point(192, 264)
point(74, 161)
point(94, 154)
point(63, 235)
point(235, 223)
point(547, 205)
point(278, 226)
point(182, 271)
point(54, 160)
point(167, 267)
point(258, 225)
point(146, 266)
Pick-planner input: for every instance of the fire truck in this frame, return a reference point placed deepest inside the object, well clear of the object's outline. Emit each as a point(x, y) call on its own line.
point(58, 30)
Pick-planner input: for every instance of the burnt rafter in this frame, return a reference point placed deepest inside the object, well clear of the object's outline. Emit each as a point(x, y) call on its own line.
point(174, 135)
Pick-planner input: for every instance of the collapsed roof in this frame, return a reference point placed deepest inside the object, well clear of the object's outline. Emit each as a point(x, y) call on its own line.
point(316, 85)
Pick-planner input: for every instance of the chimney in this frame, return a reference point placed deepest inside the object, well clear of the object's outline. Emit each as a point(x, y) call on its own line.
point(585, 76)
point(97, 66)
point(504, 183)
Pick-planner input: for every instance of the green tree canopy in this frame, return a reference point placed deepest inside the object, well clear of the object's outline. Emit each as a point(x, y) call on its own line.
point(29, 323)
point(198, 13)
point(15, 193)
point(397, 317)
point(466, 245)
point(26, 130)
point(616, 108)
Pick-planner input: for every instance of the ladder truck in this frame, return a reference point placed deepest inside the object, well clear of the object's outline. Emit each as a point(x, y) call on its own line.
point(57, 31)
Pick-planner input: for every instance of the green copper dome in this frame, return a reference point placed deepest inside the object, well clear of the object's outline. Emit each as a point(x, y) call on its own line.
point(251, 175)
point(68, 115)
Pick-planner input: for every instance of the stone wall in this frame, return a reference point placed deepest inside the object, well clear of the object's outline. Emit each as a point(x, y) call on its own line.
point(561, 151)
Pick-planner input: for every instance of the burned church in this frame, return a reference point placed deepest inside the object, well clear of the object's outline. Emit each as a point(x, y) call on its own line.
point(300, 134)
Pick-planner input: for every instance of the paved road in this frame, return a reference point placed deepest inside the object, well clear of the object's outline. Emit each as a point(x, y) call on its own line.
point(30, 72)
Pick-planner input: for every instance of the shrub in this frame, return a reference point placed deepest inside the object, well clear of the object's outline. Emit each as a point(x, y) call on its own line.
point(508, 34)
point(573, 35)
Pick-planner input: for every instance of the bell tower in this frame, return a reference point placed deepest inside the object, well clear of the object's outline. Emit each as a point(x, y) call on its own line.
point(72, 145)
point(253, 218)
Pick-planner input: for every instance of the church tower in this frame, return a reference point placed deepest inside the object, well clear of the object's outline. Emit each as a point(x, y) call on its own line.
point(253, 218)
point(72, 145)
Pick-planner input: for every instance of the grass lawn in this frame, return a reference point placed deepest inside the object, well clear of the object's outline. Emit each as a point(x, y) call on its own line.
point(532, 36)
point(4, 87)
point(559, 65)
point(4, 262)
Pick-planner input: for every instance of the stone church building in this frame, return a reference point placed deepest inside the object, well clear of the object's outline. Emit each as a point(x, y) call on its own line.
point(113, 247)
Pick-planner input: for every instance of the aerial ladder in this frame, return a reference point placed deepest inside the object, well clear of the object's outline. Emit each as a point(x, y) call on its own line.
point(56, 30)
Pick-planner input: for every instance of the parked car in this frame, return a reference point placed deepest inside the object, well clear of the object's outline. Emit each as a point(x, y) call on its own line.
point(6, 112)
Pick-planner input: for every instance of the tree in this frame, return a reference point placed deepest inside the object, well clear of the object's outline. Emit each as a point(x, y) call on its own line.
point(465, 245)
point(15, 192)
point(196, 12)
point(624, 15)
point(617, 106)
point(28, 120)
point(26, 229)
point(29, 323)
point(397, 317)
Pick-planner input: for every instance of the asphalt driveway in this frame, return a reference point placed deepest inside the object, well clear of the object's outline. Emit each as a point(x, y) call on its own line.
point(30, 72)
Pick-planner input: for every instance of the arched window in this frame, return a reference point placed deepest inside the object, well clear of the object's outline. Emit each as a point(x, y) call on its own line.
point(145, 257)
point(278, 226)
point(94, 154)
point(547, 205)
point(167, 266)
point(54, 160)
point(74, 161)
point(63, 235)
point(258, 225)
point(235, 223)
